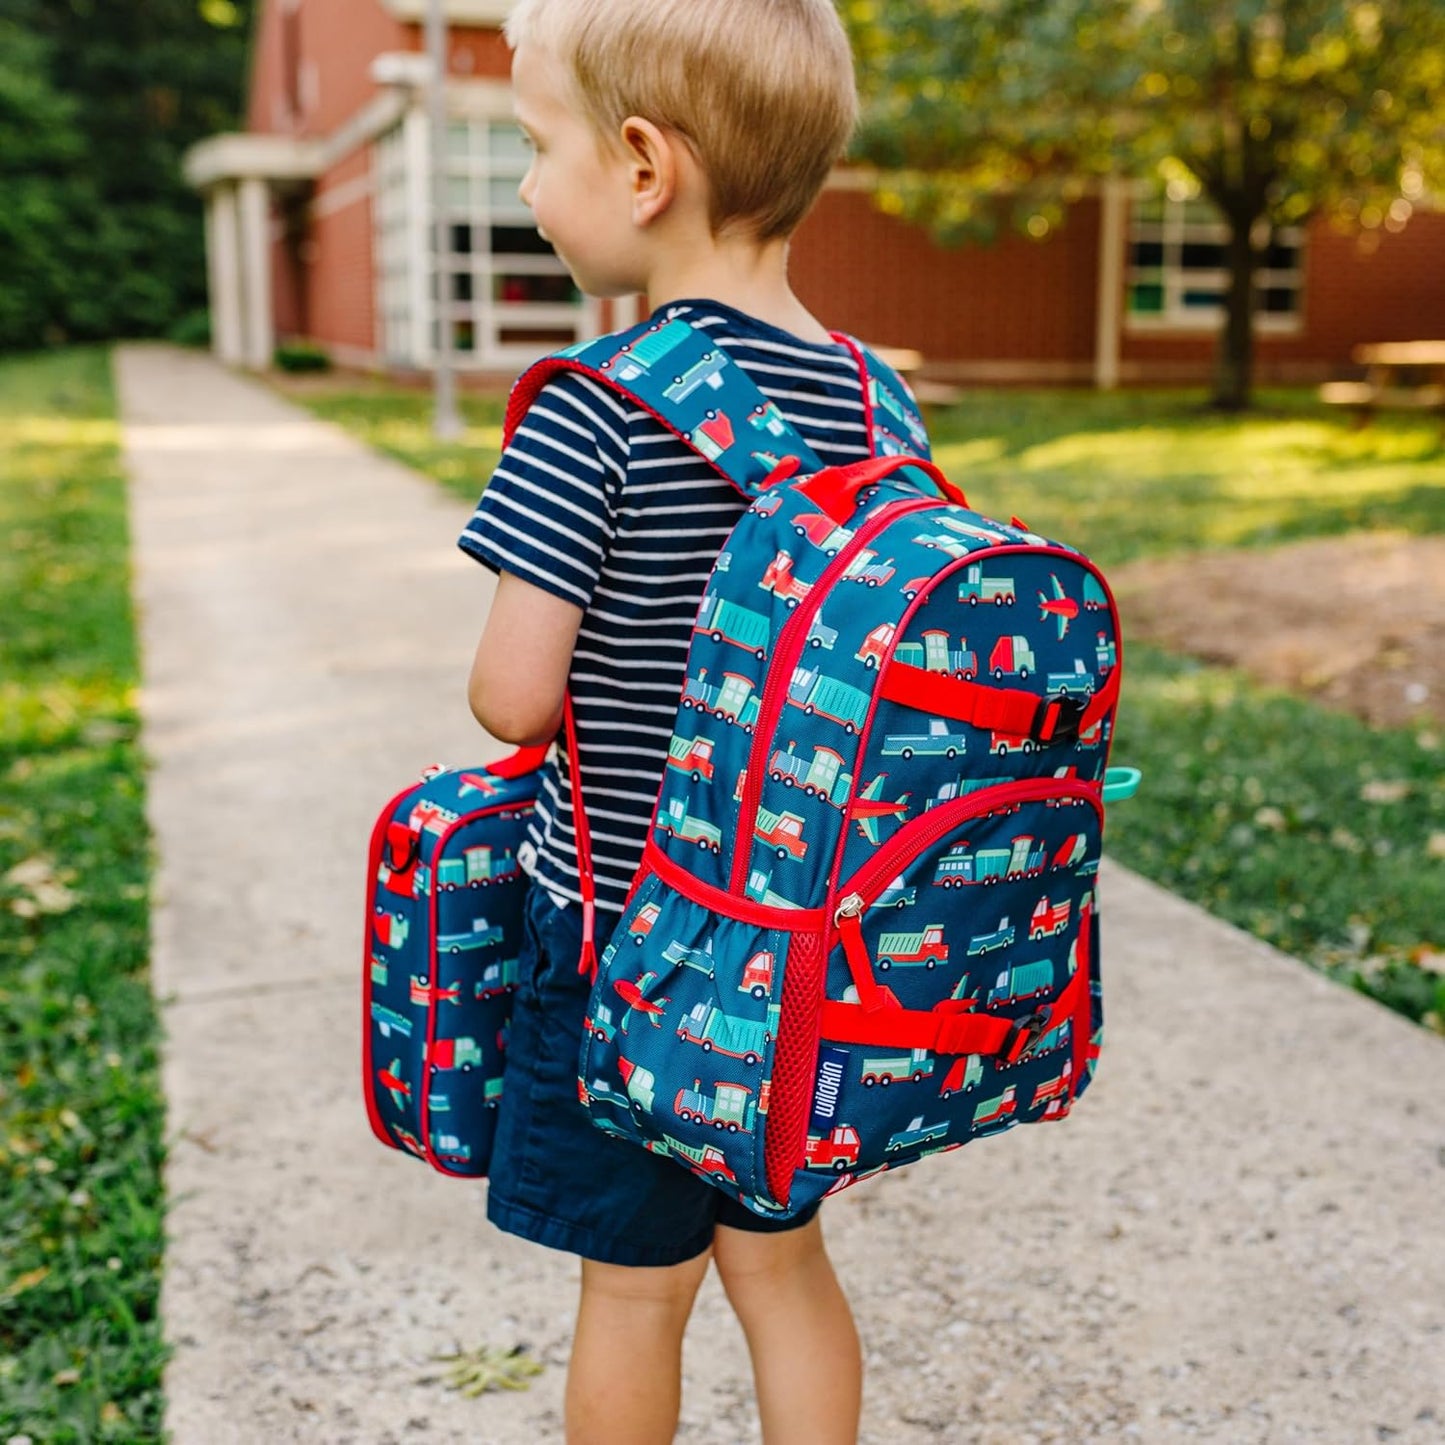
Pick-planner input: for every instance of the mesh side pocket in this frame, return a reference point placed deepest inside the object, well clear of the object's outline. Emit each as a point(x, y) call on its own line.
point(795, 1061)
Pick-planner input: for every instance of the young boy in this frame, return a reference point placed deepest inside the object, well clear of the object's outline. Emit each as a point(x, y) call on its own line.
point(677, 144)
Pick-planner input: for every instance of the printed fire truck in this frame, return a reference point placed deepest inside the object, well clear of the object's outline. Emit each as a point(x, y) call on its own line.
point(926, 947)
point(1055, 1093)
point(757, 976)
point(779, 580)
point(838, 1151)
point(1049, 918)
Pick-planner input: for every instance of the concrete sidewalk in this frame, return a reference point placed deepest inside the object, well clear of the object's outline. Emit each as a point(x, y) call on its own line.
point(1238, 1238)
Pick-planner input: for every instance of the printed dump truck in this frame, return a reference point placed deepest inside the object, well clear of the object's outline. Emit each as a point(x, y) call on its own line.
point(821, 778)
point(937, 742)
point(739, 1038)
point(1023, 981)
point(916, 1133)
point(447, 1054)
point(895, 1068)
point(1000, 937)
point(640, 1083)
point(976, 588)
point(827, 697)
point(481, 935)
point(1070, 851)
point(640, 356)
point(725, 621)
point(692, 756)
point(708, 1160)
point(937, 654)
point(838, 1150)
point(1049, 918)
point(729, 1106)
point(760, 890)
point(677, 821)
point(1012, 655)
point(1079, 682)
point(990, 1111)
point(964, 1075)
point(962, 865)
point(782, 832)
point(925, 947)
point(733, 700)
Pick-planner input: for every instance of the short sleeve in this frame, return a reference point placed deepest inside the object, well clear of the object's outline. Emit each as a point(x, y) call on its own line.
point(547, 515)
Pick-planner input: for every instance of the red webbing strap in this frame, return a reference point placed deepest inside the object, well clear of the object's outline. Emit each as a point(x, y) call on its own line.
point(947, 1029)
point(835, 490)
point(519, 763)
point(1082, 1027)
point(1105, 700)
point(587, 963)
point(1001, 709)
point(850, 934)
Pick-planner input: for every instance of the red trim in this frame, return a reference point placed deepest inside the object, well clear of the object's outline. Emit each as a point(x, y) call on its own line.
point(519, 763)
point(835, 490)
point(1083, 1011)
point(785, 1140)
point(378, 842)
point(587, 962)
point(861, 362)
point(726, 905)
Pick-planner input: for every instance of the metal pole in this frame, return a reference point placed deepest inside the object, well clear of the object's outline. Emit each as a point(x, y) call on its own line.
point(447, 422)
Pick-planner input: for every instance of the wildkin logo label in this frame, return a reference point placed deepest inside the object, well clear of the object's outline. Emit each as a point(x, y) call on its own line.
point(832, 1068)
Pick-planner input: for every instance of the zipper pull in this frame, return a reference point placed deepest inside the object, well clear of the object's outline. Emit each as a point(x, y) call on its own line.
point(850, 907)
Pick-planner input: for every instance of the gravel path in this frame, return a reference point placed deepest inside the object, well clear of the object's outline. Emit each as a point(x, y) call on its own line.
point(1236, 1239)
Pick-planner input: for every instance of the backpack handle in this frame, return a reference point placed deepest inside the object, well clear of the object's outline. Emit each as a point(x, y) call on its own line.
point(835, 491)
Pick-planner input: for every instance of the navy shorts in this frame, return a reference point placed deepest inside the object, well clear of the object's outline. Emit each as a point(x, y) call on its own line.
point(556, 1178)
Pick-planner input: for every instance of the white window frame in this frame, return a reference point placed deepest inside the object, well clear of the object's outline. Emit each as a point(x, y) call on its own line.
point(1182, 224)
point(481, 192)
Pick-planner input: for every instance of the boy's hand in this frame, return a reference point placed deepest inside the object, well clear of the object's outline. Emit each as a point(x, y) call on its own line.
point(519, 674)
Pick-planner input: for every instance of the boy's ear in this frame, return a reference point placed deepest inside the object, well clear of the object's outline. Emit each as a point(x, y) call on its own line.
point(653, 166)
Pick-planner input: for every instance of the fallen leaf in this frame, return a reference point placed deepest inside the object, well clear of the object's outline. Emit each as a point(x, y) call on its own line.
point(21, 1283)
point(1435, 845)
point(1383, 790)
point(65, 1377)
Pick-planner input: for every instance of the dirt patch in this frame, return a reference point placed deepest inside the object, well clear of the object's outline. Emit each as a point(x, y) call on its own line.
point(1357, 623)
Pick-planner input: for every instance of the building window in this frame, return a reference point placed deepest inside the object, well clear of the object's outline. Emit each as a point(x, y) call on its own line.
point(505, 297)
point(1179, 269)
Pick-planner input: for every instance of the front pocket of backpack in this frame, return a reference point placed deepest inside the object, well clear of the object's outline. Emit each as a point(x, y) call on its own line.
point(681, 1036)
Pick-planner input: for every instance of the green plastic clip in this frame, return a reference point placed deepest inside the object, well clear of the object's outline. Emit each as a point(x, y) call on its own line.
point(1121, 783)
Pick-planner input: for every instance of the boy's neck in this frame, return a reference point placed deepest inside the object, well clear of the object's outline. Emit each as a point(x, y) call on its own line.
point(737, 272)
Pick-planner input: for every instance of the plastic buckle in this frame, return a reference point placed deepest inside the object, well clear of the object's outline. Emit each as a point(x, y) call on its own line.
point(1023, 1037)
point(1057, 719)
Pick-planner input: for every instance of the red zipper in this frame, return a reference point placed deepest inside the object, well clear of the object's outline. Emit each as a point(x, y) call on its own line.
point(918, 837)
point(791, 640)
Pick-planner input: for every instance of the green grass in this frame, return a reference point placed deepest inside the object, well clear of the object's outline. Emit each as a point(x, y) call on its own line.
point(1144, 473)
point(1268, 810)
point(80, 1108)
point(1309, 828)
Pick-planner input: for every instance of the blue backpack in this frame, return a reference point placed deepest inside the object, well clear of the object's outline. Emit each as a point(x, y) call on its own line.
point(443, 933)
point(865, 927)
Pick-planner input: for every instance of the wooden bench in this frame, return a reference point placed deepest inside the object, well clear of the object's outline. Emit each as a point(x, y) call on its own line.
point(1399, 376)
point(907, 363)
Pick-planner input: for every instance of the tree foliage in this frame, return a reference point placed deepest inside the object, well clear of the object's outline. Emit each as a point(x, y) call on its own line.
point(99, 234)
point(1277, 110)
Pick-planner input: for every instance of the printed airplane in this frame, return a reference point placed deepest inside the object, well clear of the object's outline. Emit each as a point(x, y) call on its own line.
point(394, 1084)
point(1061, 607)
point(637, 1002)
point(483, 785)
point(870, 805)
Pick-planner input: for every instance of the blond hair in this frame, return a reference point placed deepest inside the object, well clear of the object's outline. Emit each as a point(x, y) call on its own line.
point(762, 90)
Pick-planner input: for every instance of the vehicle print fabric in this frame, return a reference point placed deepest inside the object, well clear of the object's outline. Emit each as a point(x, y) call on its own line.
point(443, 935)
point(865, 925)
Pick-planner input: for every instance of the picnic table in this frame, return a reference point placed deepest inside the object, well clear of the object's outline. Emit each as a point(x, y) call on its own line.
point(1399, 375)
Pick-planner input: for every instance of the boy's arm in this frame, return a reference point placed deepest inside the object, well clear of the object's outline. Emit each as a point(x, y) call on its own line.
point(519, 674)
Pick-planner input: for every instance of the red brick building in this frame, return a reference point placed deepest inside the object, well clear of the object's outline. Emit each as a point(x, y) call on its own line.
point(317, 222)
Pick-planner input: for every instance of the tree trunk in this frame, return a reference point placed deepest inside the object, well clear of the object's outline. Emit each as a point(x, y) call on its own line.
point(1234, 376)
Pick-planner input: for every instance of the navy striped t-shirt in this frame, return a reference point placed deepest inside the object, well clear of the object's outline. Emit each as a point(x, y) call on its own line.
point(598, 503)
